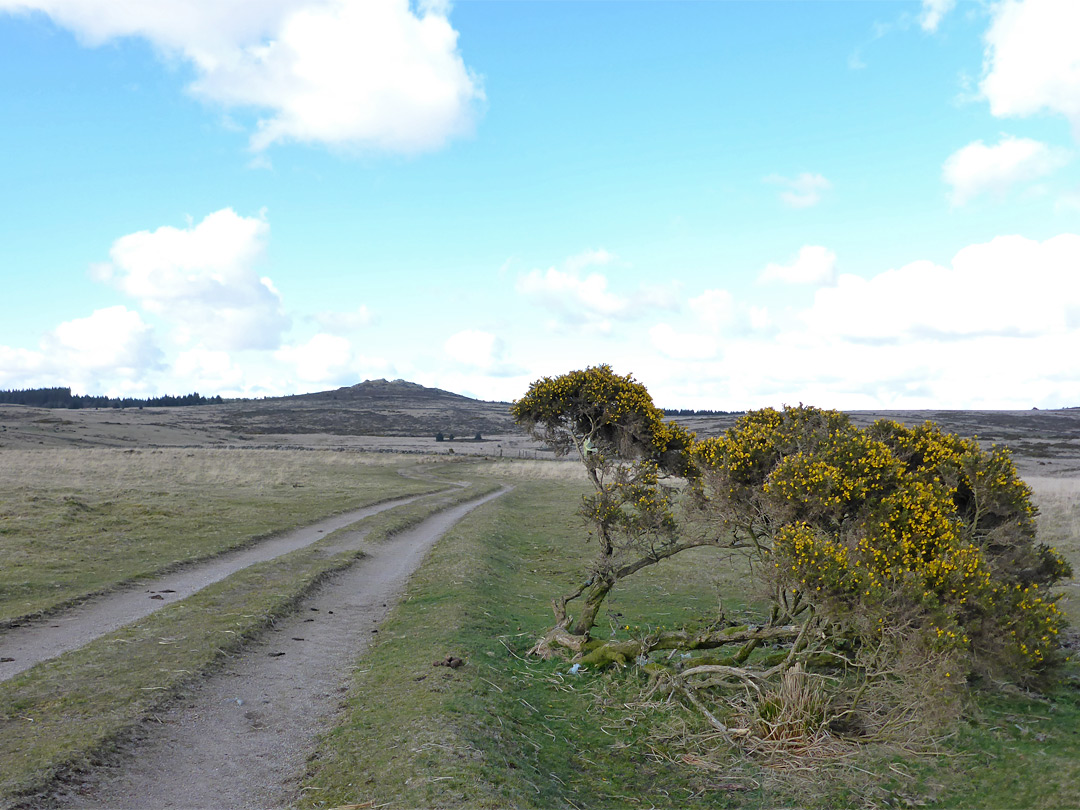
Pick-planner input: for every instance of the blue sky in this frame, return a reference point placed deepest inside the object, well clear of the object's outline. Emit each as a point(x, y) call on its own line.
point(849, 204)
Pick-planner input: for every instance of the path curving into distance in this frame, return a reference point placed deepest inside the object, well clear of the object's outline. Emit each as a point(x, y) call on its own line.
point(241, 737)
point(41, 639)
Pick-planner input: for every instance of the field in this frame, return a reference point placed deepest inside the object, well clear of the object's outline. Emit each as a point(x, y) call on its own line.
point(77, 522)
point(84, 518)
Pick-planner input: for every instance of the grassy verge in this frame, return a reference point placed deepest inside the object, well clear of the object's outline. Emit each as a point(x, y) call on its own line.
point(510, 730)
point(1017, 751)
point(61, 713)
point(78, 522)
point(505, 730)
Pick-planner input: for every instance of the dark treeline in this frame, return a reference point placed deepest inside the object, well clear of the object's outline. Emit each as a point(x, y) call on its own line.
point(692, 412)
point(63, 398)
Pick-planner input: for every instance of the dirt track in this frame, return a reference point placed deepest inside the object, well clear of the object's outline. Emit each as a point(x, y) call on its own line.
point(36, 641)
point(240, 738)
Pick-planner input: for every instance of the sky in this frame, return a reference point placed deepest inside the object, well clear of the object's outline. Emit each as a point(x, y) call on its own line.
point(855, 205)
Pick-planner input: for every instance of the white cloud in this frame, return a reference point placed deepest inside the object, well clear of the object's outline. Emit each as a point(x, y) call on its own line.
point(1006, 288)
point(801, 191)
point(109, 351)
point(1032, 62)
point(325, 360)
point(932, 13)
point(114, 339)
point(575, 299)
point(567, 291)
point(202, 279)
point(683, 345)
point(978, 169)
point(814, 265)
point(997, 327)
point(585, 300)
point(207, 371)
point(23, 368)
point(473, 347)
point(479, 351)
point(368, 75)
point(714, 308)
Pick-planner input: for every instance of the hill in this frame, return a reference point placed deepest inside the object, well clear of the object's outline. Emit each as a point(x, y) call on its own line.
point(373, 408)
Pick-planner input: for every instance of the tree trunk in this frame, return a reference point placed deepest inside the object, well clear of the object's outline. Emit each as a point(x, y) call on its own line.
point(594, 599)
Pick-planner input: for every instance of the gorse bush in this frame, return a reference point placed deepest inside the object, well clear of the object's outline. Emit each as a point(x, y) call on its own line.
point(891, 529)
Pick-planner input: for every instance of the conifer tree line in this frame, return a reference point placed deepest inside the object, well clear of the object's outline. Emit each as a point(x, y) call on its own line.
point(63, 398)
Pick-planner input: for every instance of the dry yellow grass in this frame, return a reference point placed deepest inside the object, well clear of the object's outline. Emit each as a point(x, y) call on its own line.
point(98, 469)
point(80, 521)
point(1058, 500)
point(533, 470)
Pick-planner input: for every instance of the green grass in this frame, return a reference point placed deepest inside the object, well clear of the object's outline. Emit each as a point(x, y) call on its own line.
point(61, 713)
point(1017, 751)
point(506, 730)
point(78, 522)
point(512, 730)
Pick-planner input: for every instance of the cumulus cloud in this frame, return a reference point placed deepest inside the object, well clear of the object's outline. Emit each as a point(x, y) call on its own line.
point(368, 75)
point(109, 350)
point(714, 308)
point(208, 371)
point(717, 317)
point(996, 327)
point(473, 347)
point(573, 297)
point(478, 350)
point(978, 169)
point(329, 360)
point(1006, 288)
point(584, 300)
point(1032, 62)
point(568, 292)
point(202, 279)
point(801, 191)
point(22, 368)
point(114, 339)
point(814, 265)
point(933, 11)
point(683, 345)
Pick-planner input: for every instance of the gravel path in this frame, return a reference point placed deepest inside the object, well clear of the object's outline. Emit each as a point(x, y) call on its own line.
point(241, 737)
point(38, 640)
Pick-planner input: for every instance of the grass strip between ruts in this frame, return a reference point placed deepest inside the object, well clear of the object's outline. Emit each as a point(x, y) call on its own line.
point(60, 714)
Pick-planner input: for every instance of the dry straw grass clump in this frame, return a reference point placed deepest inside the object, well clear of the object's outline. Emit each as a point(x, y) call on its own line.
point(94, 468)
point(79, 521)
point(535, 470)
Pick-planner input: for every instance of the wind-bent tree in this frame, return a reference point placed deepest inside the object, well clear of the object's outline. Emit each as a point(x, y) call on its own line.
point(633, 459)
